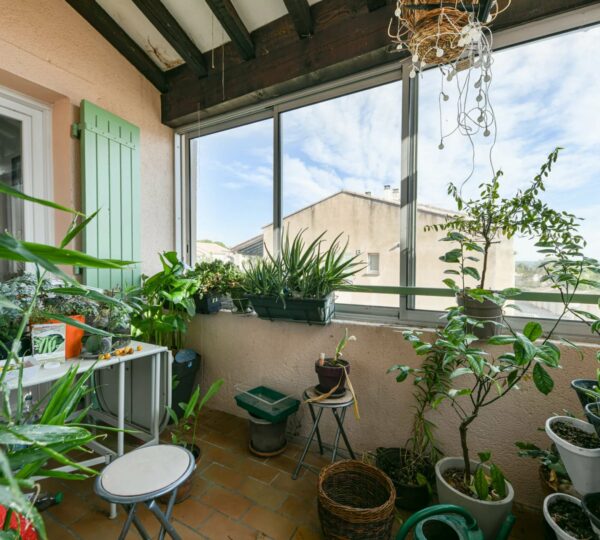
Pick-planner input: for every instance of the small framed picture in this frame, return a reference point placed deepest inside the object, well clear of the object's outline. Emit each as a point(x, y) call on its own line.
point(48, 341)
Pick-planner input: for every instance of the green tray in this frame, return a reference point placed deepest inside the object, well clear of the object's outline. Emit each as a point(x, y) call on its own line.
point(267, 403)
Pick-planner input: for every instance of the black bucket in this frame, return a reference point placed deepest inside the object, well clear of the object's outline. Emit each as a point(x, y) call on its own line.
point(184, 368)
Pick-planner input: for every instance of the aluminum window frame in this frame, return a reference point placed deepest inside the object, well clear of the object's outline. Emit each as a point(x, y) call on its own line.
point(406, 314)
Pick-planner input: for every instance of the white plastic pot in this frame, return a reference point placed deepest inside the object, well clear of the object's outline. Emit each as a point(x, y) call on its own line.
point(582, 464)
point(490, 515)
point(560, 534)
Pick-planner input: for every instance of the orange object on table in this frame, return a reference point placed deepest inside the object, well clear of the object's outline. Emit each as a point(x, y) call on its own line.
point(74, 337)
point(26, 529)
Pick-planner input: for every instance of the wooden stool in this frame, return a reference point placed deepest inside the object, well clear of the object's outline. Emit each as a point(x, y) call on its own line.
point(142, 476)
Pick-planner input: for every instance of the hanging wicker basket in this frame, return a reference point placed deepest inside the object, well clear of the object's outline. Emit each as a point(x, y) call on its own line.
point(356, 502)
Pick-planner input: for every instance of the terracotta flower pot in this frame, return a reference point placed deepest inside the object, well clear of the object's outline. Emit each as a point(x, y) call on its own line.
point(73, 336)
point(185, 489)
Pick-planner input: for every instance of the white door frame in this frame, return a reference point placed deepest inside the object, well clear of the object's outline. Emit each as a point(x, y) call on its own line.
point(36, 140)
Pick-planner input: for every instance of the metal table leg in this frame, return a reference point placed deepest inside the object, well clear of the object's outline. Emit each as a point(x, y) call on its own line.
point(120, 425)
point(308, 443)
point(340, 422)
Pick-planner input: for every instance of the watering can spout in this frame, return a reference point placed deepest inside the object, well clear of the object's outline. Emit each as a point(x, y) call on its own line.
point(448, 522)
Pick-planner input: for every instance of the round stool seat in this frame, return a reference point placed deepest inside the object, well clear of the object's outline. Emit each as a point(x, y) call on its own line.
point(344, 400)
point(145, 473)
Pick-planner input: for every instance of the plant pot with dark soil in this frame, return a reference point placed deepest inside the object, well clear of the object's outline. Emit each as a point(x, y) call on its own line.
point(579, 449)
point(333, 372)
point(591, 505)
point(566, 517)
point(584, 389)
point(412, 485)
point(207, 303)
point(592, 412)
point(490, 514)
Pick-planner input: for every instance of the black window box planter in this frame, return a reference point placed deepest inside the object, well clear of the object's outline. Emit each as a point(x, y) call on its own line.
point(208, 303)
point(308, 310)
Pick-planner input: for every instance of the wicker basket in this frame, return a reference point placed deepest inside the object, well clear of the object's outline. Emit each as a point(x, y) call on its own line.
point(356, 502)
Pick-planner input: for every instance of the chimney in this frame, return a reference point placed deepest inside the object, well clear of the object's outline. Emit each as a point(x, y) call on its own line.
point(396, 194)
point(387, 192)
point(368, 193)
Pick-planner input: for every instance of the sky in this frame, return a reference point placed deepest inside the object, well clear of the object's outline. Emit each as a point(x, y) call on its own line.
point(544, 95)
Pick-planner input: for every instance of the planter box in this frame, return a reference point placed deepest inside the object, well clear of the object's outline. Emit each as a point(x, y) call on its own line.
point(209, 303)
point(295, 309)
point(560, 534)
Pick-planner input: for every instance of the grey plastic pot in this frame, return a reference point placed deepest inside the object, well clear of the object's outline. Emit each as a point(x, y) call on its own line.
point(581, 387)
point(582, 464)
point(267, 438)
point(490, 515)
point(560, 534)
point(487, 312)
point(592, 412)
point(587, 502)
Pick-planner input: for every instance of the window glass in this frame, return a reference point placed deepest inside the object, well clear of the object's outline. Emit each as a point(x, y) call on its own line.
point(544, 96)
point(11, 174)
point(233, 172)
point(341, 174)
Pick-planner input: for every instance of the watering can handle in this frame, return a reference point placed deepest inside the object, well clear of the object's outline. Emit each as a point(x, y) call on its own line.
point(434, 511)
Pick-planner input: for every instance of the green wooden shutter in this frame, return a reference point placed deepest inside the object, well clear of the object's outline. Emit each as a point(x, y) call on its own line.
point(110, 164)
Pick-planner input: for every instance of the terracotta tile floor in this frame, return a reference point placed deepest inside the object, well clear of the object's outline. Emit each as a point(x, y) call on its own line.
point(236, 496)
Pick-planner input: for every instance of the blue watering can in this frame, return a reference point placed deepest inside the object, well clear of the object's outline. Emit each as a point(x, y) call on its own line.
point(448, 522)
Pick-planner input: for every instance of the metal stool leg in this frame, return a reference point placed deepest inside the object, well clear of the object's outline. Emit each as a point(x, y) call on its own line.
point(336, 441)
point(168, 512)
point(341, 426)
point(154, 508)
point(128, 521)
point(310, 438)
point(312, 414)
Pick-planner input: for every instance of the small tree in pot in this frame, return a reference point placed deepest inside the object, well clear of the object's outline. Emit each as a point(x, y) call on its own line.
point(483, 223)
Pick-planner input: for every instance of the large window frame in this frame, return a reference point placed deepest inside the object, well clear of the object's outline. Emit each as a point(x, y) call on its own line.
point(185, 190)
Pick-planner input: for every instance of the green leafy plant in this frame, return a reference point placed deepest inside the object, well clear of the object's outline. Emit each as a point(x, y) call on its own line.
point(301, 270)
point(216, 277)
point(164, 303)
point(28, 443)
point(550, 460)
point(185, 427)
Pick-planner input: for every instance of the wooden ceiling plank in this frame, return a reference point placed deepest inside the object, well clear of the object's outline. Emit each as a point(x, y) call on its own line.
point(156, 12)
point(375, 4)
point(225, 12)
point(120, 40)
point(299, 11)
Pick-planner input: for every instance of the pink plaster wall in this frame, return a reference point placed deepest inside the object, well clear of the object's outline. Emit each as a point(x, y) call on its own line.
point(245, 349)
point(49, 52)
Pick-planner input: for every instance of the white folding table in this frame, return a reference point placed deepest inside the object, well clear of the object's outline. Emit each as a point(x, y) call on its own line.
point(157, 355)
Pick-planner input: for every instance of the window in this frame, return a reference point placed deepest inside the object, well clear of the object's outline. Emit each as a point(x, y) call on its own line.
point(373, 263)
point(24, 165)
point(543, 97)
point(360, 157)
point(341, 174)
point(233, 173)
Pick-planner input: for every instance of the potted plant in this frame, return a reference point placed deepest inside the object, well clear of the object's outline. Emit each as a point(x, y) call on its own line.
point(184, 431)
point(411, 468)
point(566, 517)
point(482, 223)
point(163, 305)
point(333, 371)
point(215, 280)
point(554, 477)
point(298, 284)
point(591, 506)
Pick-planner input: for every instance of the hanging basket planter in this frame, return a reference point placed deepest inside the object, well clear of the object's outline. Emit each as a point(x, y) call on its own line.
point(356, 502)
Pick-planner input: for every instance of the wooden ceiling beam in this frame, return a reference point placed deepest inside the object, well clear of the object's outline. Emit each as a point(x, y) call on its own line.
point(375, 4)
point(119, 39)
point(156, 12)
point(299, 11)
point(225, 12)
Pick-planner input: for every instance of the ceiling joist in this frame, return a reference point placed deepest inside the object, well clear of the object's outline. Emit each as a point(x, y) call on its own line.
point(225, 12)
point(156, 12)
point(299, 11)
point(121, 41)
